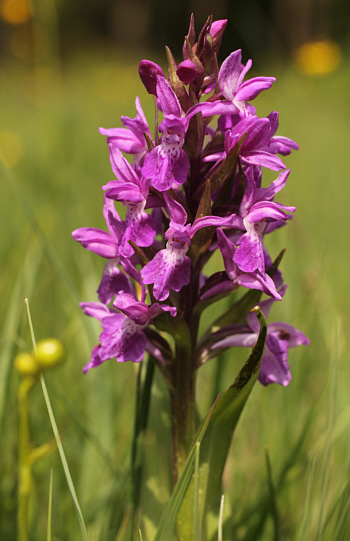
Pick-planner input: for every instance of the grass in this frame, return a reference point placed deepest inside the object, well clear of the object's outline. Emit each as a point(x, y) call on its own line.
point(53, 188)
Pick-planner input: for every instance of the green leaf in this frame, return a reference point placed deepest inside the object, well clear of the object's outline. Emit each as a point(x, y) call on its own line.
point(218, 436)
point(167, 522)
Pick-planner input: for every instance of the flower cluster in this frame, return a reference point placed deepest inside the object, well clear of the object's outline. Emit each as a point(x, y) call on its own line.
point(192, 188)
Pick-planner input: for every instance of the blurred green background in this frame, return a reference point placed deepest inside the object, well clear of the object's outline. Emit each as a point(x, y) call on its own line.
point(66, 69)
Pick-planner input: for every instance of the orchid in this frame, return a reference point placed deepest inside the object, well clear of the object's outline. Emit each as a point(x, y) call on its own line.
point(131, 138)
point(168, 163)
point(192, 189)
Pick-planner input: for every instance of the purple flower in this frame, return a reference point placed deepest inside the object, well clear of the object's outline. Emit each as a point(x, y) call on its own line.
point(107, 245)
point(279, 144)
point(98, 241)
point(131, 138)
point(113, 281)
point(170, 269)
point(249, 254)
point(132, 191)
point(234, 92)
point(168, 163)
point(252, 280)
point(255, 149)
point(188, 186)
point(122, 336)
point(280, 337)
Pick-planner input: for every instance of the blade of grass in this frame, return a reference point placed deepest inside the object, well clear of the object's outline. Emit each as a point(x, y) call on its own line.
point(197, 525)
point(272, 493)
point(58, 438)
point(49, 513)
point(13, 317)
point(260, 509)
point(326, 470)
point(143, 398)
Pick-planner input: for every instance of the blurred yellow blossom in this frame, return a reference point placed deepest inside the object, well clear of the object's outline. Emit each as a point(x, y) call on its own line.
point(16, 11)
point(318, 57)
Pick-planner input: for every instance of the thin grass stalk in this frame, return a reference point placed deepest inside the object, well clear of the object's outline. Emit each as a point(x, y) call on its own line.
point(197, 524)
point(273, 501)
point(49, 512)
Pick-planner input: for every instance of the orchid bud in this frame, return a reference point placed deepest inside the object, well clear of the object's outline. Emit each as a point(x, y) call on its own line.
point(148, 72)
point(187, 71)
point(216, 30)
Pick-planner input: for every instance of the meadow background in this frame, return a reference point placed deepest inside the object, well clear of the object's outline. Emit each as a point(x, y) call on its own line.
point(62, 76)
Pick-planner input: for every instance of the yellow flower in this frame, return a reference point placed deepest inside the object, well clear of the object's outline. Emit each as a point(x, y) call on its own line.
point(318, 57)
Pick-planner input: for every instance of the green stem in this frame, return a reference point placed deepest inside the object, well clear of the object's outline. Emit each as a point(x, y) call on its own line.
point(24, 463)
point(182, 400)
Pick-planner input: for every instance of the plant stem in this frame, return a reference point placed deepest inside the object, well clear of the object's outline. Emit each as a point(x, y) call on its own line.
point(24, 464)
point(182, 400)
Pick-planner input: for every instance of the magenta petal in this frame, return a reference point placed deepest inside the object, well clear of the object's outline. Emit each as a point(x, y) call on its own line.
point(170, 269)
point(167, 98)
point(95, 309)
point(97, 241)
point(268, 210)
point(229, 73)
point(164, 168)
point(282, 145)
point(121, 167)
point(176, 210)
point(113, 281)
point(95, 359)
point(122, 338)
point(140, 228)
point(263, 159)
point(125, 192)
point(157, 309)
point(249, 255)
point(274, 365)
point(213, 108)
point(251, 88)
point(290, 333)
point(258, 133)
point(124, 139)
point(138, 311)
point(260, 281)
point(181, 168)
